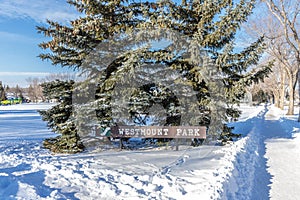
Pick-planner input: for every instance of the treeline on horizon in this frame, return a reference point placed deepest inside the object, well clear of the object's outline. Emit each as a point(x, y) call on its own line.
point(33, 92)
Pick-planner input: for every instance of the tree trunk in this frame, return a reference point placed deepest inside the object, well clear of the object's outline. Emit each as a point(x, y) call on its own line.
point(282, 91)
point(276, 100)
point(298, 80)
point(291, 96)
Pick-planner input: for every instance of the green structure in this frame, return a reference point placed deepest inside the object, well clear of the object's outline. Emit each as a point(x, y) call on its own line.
point(11, 101)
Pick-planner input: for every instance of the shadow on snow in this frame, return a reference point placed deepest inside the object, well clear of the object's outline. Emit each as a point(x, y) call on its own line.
point(250, 178)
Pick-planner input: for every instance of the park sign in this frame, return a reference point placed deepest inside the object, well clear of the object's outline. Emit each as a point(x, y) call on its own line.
point(159, 131)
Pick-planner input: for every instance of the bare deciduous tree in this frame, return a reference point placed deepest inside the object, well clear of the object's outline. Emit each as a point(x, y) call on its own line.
point(285, 57)
point(288, 15)
point(275, 85)
point(35, 91)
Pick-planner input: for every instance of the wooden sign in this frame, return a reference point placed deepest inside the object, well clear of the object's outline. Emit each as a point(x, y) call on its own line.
point(159, 131)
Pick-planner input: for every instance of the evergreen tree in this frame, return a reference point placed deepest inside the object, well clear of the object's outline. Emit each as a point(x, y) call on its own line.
point(59, 118)
point(2, 92)
point(105, 31)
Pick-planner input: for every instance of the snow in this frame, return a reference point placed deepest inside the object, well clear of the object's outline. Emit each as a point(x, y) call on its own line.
point(283, 158)
point(262, 164)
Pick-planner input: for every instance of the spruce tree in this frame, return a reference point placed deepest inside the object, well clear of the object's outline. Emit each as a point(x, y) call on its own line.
point(105, 31)
point(2, 92)
point(59, 118)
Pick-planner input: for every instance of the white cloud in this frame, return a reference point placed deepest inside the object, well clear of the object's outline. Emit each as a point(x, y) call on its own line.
point(20, 78)
point(29, 74)
point(39, 11)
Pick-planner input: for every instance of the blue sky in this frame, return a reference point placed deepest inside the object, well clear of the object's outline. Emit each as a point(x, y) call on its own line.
point(19, 39)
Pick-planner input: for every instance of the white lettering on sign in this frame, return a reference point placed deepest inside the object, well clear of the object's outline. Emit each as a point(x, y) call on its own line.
point(188, 132)
point(159, 131)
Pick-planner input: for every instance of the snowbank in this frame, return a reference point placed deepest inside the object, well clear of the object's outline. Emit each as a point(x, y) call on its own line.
point(27, 106)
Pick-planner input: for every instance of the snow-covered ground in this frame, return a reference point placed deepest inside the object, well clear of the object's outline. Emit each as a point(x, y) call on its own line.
point(261, 165)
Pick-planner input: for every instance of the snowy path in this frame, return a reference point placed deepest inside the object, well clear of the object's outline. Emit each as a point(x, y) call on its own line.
point(265, 169)
point(283, 154)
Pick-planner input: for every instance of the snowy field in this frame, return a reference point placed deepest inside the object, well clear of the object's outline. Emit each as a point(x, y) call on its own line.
point(261, 165)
